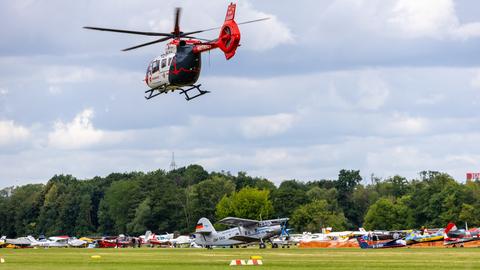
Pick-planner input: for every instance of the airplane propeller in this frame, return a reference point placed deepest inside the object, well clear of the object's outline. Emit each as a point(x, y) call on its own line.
point(176, 34)
point(284, 229)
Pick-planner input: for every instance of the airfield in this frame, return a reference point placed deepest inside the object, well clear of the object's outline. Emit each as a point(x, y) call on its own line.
point(294, 258)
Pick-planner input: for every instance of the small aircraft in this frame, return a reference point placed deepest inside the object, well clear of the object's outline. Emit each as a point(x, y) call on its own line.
point(243, 231)
point(178, 68)
point(458, 237)
point(390, 244)
point(424, 236)
point(156, 240)
point(21, 242)
point(55, 241)
point(182, 241)
point(120, 241)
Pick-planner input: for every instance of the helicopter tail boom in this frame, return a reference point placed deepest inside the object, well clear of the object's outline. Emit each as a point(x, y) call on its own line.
point(228, 39)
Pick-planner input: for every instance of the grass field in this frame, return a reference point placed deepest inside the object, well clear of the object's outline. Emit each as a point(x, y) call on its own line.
point(146, 258)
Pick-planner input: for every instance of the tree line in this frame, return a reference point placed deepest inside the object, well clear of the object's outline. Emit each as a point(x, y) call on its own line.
point(131, 203)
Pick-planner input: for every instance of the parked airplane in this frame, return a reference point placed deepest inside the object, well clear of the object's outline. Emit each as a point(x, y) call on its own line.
point(457, 237)
point(390, 244)
point(74, 242)
point(181, 241)
point(20, 242)
point(156, 240)
point(244, 231)
point(55, 241)
point(424, 236)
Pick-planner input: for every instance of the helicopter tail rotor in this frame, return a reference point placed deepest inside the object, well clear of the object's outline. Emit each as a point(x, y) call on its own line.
point(229, 38)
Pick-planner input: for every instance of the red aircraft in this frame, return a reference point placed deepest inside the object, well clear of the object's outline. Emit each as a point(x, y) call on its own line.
point(178, 68)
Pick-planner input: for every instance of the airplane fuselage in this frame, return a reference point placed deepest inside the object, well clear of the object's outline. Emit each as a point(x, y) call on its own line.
point(237, 235)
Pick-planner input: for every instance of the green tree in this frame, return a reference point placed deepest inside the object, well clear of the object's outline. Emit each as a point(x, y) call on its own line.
point(316, 215)
point(207, 194)
point(386, 214)
point(470, 215)
point(120, 202)
point(289, 195)
point(24, 204)
point(249, 203)
point(83, 224)
point(143, 214)
point(345, 185)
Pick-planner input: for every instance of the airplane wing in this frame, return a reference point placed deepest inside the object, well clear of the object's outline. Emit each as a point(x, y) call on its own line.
point(233, 221)
point(245, 239)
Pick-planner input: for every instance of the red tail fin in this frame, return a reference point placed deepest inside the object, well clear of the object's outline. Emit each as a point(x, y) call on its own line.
point(229, 38)
point(450, 227)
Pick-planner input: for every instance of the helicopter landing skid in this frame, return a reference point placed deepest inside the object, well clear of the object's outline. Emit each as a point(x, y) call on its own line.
point(151, 93)
point(197, 87)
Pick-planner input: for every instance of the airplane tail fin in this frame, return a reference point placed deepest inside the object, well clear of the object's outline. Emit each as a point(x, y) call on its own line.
point(31, 239)
point(450, 227)
point(229, 38)
point(204, 226)
point(148, 234)
point(363, 244)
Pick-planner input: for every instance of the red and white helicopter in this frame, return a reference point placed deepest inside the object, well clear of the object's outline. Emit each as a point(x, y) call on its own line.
point(178, 68)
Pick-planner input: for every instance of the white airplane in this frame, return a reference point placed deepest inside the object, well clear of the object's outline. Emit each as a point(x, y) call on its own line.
point(20, 242)
point(243, 231)
point(182, 241)
point(55, 241)
point(2, 240)
point(74, 242)
point(156, 240)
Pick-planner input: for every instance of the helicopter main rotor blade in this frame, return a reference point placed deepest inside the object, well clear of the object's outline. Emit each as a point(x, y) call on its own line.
point(215, 28)
point(257, 20)
point(128, 31)
point(202, 39)
point(176, 29)
point(148, 43)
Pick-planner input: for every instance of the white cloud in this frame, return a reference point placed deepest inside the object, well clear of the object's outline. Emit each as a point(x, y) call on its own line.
point(3, 91)
point(54, 90)
point(476, 80)
point(430, 18)
point(374, 91)
point(68, 74)
point(262, 35)
point(10, 132)
point(405, 125)
point(266, 126)
point(79, 133)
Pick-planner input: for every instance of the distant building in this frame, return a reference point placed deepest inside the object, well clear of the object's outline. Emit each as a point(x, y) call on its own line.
point(471, 176)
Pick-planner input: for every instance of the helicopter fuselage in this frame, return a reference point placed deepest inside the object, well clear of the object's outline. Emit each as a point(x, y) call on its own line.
point(179, 66)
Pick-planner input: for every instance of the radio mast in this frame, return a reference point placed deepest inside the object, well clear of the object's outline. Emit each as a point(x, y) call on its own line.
point(173, 165)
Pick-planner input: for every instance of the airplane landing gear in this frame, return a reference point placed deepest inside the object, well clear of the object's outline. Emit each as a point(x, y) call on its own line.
point(262, 245)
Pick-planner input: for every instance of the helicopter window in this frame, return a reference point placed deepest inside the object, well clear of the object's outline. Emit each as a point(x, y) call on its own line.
point(164, 63)
point(155, 66)
point(170, 61)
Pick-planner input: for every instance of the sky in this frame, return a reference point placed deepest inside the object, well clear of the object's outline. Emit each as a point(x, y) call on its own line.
point(387, 87)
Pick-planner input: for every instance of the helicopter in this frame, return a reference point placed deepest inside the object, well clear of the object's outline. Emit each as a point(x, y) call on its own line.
point(178, 68)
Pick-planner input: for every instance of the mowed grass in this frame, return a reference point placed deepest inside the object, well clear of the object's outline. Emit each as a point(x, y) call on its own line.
point(295, 258)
